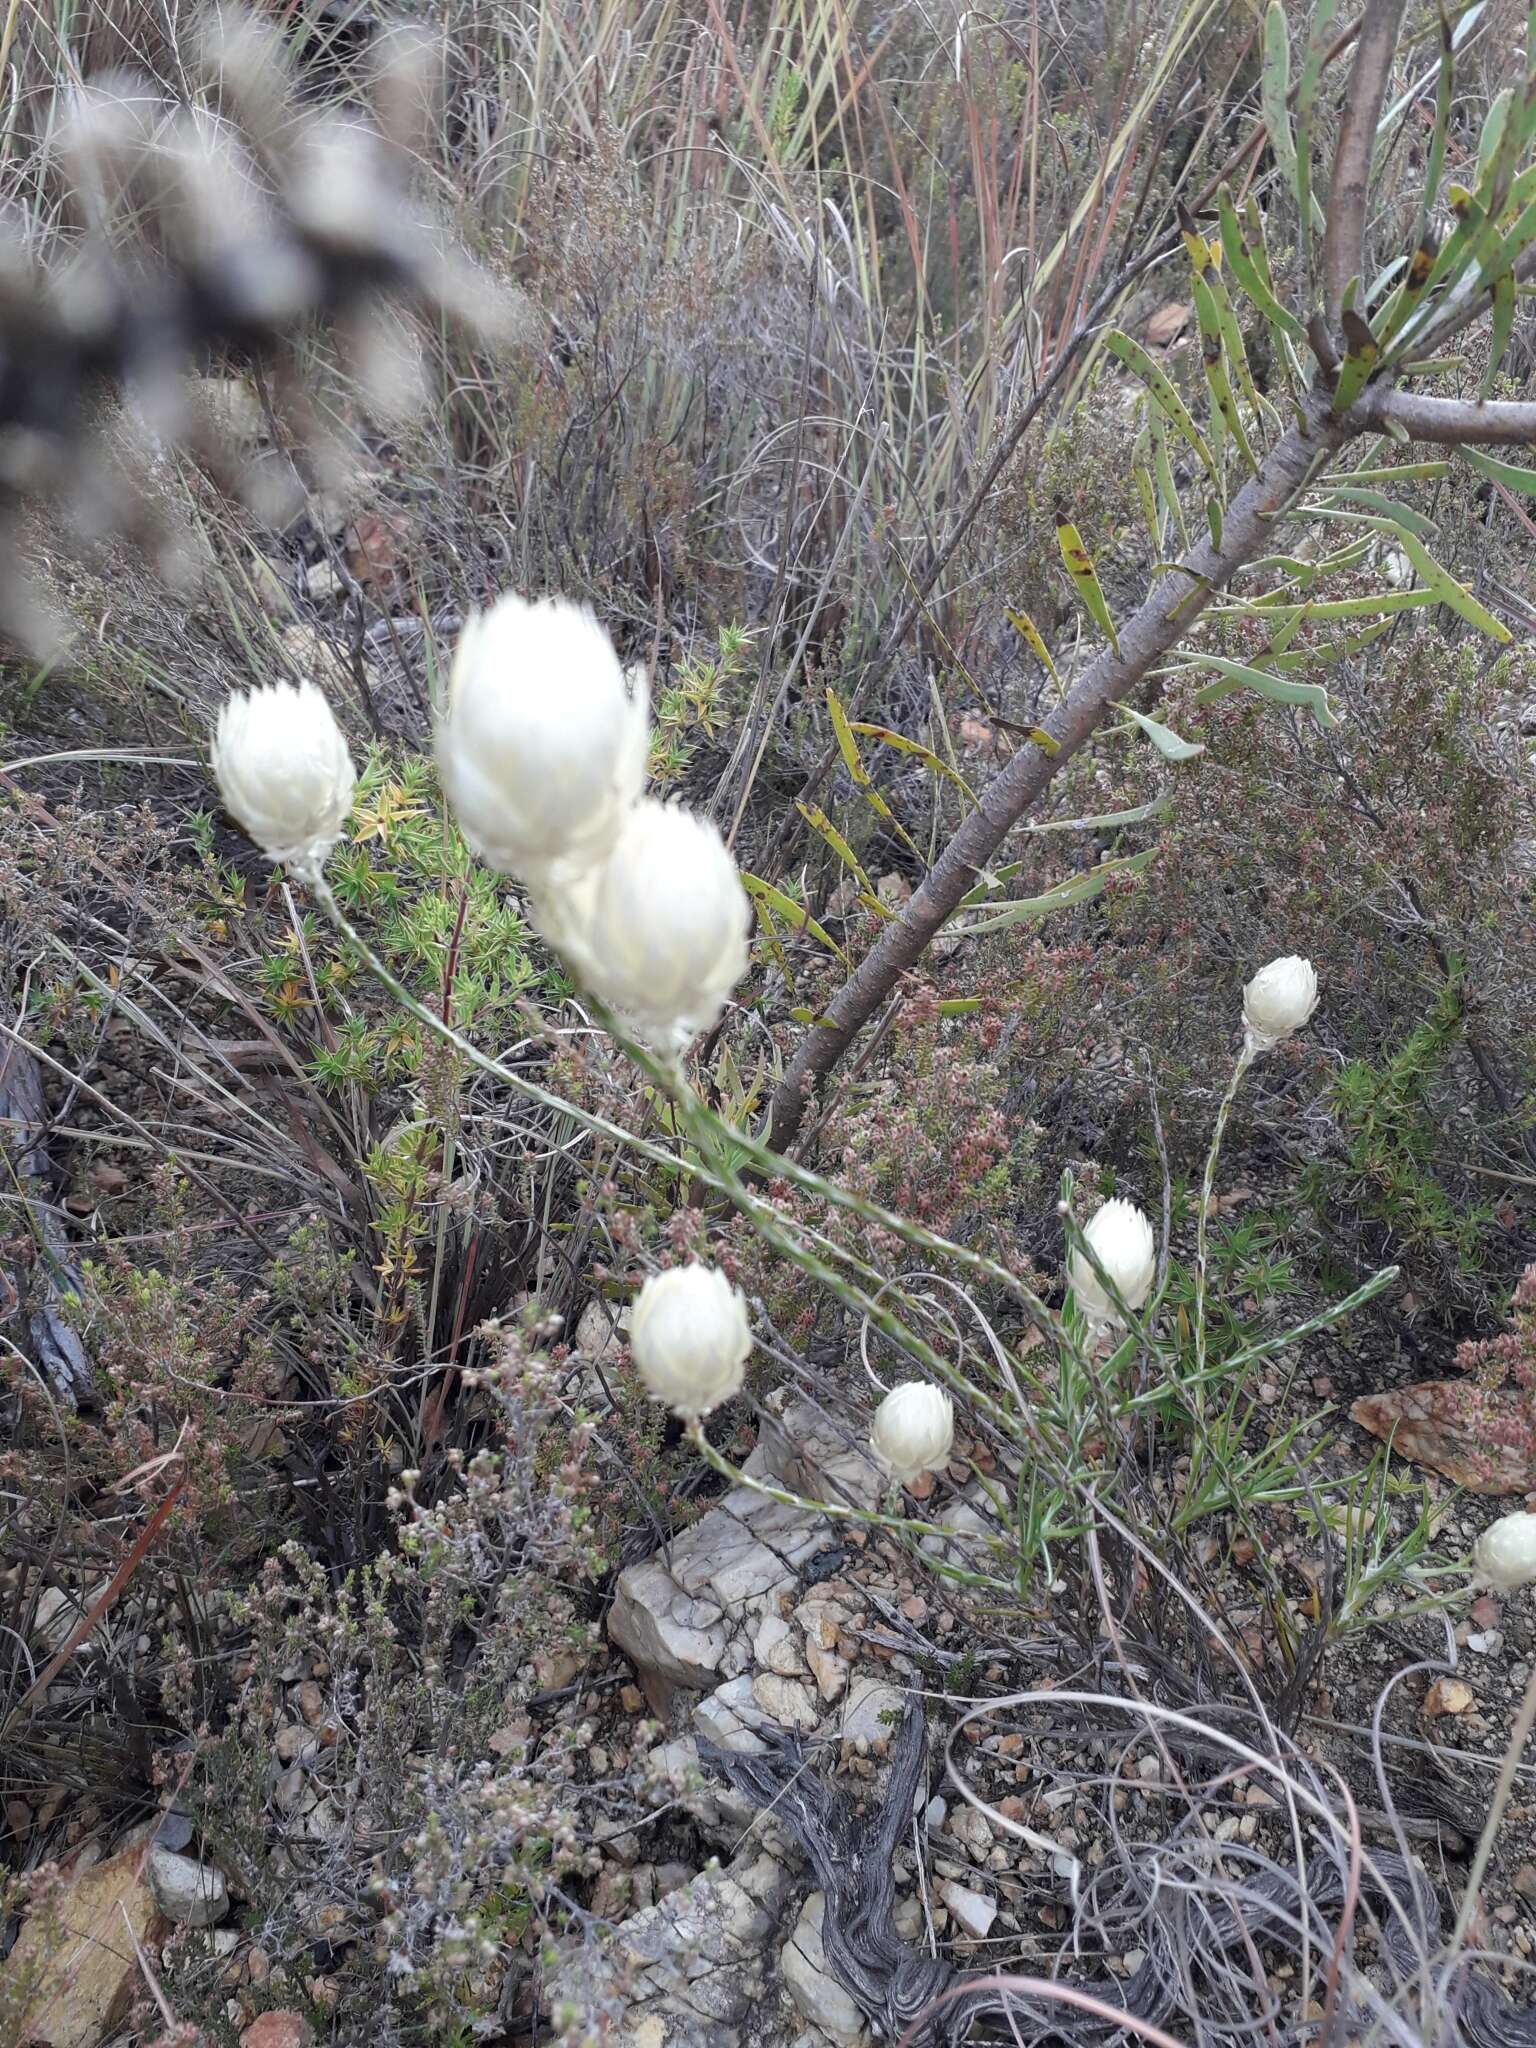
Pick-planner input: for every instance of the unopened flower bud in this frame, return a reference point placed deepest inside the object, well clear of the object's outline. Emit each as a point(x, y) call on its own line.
point(542, 749)
point(1504, 1556)
point(1278, 1001)
point(659, 932)
point(284, 772)
point(913, 1430)
point(689, 1338)
point(1122, 1241)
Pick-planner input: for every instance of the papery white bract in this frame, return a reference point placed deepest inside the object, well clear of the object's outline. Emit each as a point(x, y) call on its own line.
point(542, 748)
point(1123, 1242)
point(690, 1339)
point(660, 930)
point(1278, 1001)
point(284, 772)
point(1504, 1556)
point(913, 1430)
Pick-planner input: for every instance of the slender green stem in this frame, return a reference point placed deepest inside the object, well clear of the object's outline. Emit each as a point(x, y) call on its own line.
point(846, 1511)
point(723, 1137)
point(722, 1178)
point(1245, 1060)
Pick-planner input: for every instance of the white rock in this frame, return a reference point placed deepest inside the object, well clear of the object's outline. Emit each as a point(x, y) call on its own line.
point(866, 1708)
point(811, 1985)
point(816, 1458)
point(679, 1635)
point(677, 1619)
point(600, 1331)
point(785, 1700)
point(973, 1911)
point(828, 1670)
point(969, 1826)
point(957, 1535)
point(908, 1917)
point(185, 1890)
point(729, 1717)
point(776, 1647)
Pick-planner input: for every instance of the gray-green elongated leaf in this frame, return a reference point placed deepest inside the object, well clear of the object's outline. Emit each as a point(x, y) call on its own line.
point(1138, 814)
point(1388, 476)
point(1450, 592)
point(1249, 276)
point(1235, 675)
point(1163, 737)
point(1168, 401)
point(1501, 327)
point(1079, 889)
point(1306, 94)
point(1283, 609)
point(1510, 474)
point(1274, 91)
point(1440, 585)
point(1389, 508)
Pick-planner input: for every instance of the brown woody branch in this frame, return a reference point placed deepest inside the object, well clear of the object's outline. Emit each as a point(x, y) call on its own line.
point(1492, 422)
point(1119, 675)
point(1344, 238)
point(1112, 679)
point(1174, 601)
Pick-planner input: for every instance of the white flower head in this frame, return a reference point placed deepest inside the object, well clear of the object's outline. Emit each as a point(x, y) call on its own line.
point(690, 1338)
point(660, 930)
point(283, 771)
point(542, 748)
point(1504, 1556)
point(913, 1430)
point(1123, 1243)
point(1278, 1001)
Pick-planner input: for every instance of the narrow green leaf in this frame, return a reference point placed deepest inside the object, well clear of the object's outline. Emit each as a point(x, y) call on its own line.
point(1501, 327)
point(902, 745)
point(1495, 121)
point(1435, 159)
point(1138, 814)
point(1388, 476)
point(848, 747)
point(1306, 95)
point(1152, 516)
point(1236, 675)
point(818, 820)
point(1080, 889)
point(1163, 737)
point(959, 1006)
point(1236, 351)
point(1510, 474)
point(1213, 350)
point(1167, 489)
point(1450, 591)
point(1029, 632)
point(1275, 92)
point(1141, 365)
point(1329, 608)
point(1079, 566)
point(1387, 508)
point(776, 904)
point(1250, 279)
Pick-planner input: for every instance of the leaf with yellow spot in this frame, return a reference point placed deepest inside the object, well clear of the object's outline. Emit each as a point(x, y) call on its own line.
point(1079, 566)
point(1029, 632)
point(848, 747)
